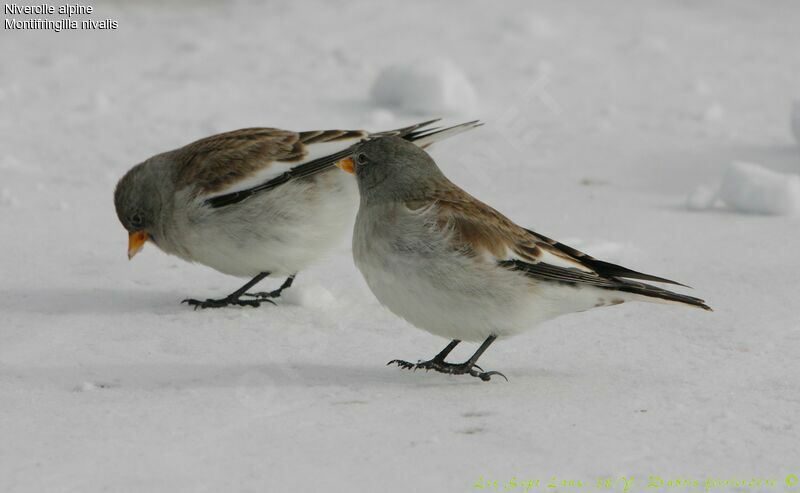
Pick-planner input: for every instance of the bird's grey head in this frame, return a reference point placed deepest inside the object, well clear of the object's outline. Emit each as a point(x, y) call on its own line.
point(391, 168)
point(138, 201)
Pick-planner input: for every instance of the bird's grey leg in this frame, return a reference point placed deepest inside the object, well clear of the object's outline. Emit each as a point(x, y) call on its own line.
point(469, 367)
point(265, 295)
point(444, 352)
point(233, 298)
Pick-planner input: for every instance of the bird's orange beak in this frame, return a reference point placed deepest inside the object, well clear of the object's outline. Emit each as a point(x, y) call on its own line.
point(347, 164)
point(136, 241)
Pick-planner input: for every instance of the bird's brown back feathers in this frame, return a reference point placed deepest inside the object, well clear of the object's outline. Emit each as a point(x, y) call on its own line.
point(214, 163)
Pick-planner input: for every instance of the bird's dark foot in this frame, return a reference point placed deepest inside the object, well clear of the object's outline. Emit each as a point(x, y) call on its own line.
point(449, 368)
point(265, 295)
point(225, 302)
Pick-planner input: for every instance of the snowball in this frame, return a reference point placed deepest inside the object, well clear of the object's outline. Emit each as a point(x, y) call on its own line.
point(431, 87)
point(90, 386)
point(752, 188)
point(647, 45)
point(308, 296)
point(7, 198)
point(382, 118)
point(702, 198)
point(534, 24)
point(714, 112)
point(102, 103)
point(700, 86)
point(796, 120)
point(9, 162)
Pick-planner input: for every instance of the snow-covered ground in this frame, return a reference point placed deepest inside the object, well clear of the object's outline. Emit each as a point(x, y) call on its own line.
point(601, 118)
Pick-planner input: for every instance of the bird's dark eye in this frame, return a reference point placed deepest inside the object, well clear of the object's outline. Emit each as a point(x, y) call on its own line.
point(361, 158)
point(136, 220)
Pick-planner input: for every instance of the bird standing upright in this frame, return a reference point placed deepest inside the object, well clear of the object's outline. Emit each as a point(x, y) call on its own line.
point(455, 267)
point(250, 203)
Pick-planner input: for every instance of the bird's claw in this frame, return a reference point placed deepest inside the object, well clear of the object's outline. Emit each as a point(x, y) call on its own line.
point(405, 365)
point(210, 303)
point(486, 375)
point(448, 368)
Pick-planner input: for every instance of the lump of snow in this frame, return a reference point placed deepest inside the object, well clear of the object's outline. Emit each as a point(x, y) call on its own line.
point(714, 112)
point(646, 45)
point(7, 199)
point(533, 24)
point(796, 120)
point(382, 118)
point(752, 188)
point(90, 386)
point(700, 86)
point(701, 198)
point(9, 162)
point(308, 296)
point(430, 87)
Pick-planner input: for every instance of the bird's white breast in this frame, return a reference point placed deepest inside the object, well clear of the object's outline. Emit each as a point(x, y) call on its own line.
point(280, 231)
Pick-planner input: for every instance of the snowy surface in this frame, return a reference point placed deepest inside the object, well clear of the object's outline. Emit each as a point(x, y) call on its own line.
point(600, 118)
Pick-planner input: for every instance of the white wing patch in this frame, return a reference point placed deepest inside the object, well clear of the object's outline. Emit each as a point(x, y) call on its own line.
point(547, 257)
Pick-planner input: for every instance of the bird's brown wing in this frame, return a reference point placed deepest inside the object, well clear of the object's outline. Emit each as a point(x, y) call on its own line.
point(233, 166)
point(215, 164)
point(478, 228)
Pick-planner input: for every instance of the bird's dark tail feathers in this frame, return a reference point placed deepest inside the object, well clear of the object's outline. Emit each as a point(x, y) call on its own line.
point(650, 291)
point(428, 136)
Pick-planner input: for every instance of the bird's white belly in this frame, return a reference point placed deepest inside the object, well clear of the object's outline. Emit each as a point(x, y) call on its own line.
point(454, 296)
point(469, 306)
point(280, 231)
